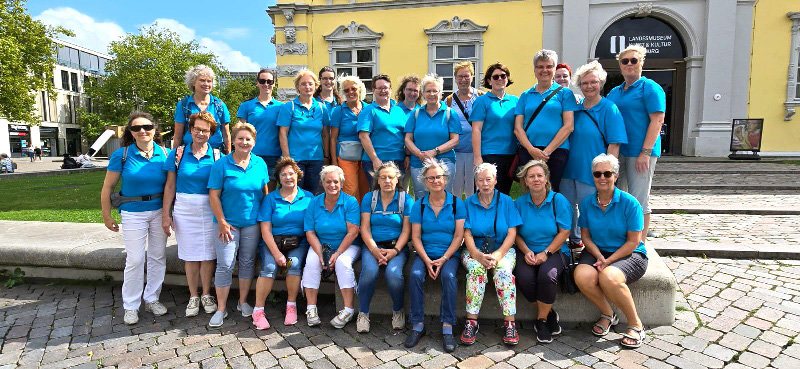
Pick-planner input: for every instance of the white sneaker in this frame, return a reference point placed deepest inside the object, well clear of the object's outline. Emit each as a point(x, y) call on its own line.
point(341, 319)
point(131, 317)
point(193, 307)
point(362, 323)
point(155, 307)
point(209, 303)
point(312, 317)
point(246, 309)
point(398, 319)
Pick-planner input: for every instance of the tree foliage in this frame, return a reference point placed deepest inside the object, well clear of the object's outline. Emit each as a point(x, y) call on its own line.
point(27, 58)
point(235, 91)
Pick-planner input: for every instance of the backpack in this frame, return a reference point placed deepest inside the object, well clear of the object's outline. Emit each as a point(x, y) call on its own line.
point(217, 109)
point(401, 202)
point(446, 114)
point(422, 207)
point(179, 156)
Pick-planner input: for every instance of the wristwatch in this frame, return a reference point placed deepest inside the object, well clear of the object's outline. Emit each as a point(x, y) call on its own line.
point(396, 250)
point(437, 151)
point(548, 253)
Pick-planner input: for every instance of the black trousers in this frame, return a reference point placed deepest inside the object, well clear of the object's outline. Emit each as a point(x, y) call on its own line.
point(503, 163)
point(556, 164)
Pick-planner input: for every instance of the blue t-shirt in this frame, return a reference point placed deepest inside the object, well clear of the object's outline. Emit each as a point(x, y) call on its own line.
point(192, 175)
point(609, 228)
point(432, 131)
point(481, 221)
point(140, 176)
point(305, 128)
point(343, 118)
point(465, 138)
point(386, 225)
point(497, 115)
point(438, 231)
point(406, 110)
point(222, 117)
point(549, 121)
point(331, 226)
point(241, 189)
point(641, 99)
point(385, 131)
point(264, 118)
point(543, 222)
point(586, 141)
point(329, 105)
point(286, 217)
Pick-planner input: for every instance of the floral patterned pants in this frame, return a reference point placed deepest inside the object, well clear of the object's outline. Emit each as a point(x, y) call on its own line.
point(504, 283)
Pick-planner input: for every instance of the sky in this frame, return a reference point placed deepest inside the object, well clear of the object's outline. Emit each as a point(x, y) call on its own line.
point(237, 31)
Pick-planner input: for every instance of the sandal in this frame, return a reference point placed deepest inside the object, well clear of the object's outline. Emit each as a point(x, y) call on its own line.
point(637, 341)
point(612, 320)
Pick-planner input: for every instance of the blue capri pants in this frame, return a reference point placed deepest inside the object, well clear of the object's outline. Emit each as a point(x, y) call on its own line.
point(394, 279)
point(269, 267)
point(245, 244)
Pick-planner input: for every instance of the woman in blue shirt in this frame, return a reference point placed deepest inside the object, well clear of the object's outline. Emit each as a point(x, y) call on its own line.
point(237, 184)
point(611, 224)
point(599, 129)
point(302, 123)
point(385, 231)
point(188, 168)
point(262, 112)
point(200, 80)
point(491, 228)
point(432, 133)
point(542, 245)
point(331, 225)
point(462, 101)
point(347, 149)
point(284, 248)
point(492, 119)
point(545, 137)
point(437, 231)
point(327, 94)
point(380, 129)
point(140, 166)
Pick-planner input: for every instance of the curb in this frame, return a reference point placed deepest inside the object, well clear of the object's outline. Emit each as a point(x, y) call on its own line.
point(726, 251)
point(725, 171)
point(48, 173)
point(726, 211)
point(725, 187)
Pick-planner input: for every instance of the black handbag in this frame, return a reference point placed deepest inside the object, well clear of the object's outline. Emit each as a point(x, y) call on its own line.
point(567, 278)
point(386, 244)
point(287, 243)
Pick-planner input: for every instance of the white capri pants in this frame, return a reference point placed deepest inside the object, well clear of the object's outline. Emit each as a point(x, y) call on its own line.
point(194, 227)
point(345, 276)
point(144, 237)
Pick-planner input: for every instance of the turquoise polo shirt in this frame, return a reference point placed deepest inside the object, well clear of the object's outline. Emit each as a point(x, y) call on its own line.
point(497, 115)
point(609, 228)
point(264, 118)
point(331, 226)
point(192, 174)
point(481, 221)
point(544, 128)
point(406, 109)
point(305, 128)
point(329, 105)
point(385, 131)
point(140, 176)
point(242, 189)
point(343, 118)
point(438, 231)
point(586, 141)
point(432, 131)
point(641, 99)
point(286, 217)
point(223, 117)
point(543, 222)
point(386, 225)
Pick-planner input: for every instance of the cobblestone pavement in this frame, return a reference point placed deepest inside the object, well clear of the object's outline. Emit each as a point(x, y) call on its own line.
point(732, 313)
point(728, 228)
point(662, 200)
point(732, 166)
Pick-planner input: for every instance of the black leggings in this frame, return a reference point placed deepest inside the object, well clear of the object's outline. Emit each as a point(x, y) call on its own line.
point(503, 163)
point(539, 282)
point(556, 164)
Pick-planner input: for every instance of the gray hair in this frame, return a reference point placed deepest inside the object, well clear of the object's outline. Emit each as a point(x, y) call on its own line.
point(431, 164)
point(592, 66)
point(328, 169)
point(432, 78)
point(606, 159)
point(386, 165)
point(191, 75)
point(545, 54)
point(486, 167)
point(360, 88)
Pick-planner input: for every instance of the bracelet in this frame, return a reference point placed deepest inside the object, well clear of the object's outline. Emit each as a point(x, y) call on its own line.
point(437, 151)
point(647, 151)
point(396, 250)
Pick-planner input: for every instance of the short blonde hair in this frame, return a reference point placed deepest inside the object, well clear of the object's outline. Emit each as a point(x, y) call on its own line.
point(462, 65)
point(305, 73)
point(524, 172)
point(633, 47)
point(328, 169)
point(198, 70)
point(592, 66)
point(360, 88)
point(432, 78)
point(243, 127)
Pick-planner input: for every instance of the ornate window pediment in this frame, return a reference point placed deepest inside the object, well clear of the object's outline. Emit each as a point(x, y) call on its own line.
point(454, 41)
point(354, 50)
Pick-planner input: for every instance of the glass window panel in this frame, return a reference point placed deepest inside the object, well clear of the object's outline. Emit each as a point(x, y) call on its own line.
point(444, 52)
point(344, 57)
point(466, 51)
point(94, 63)
point(344, 71)
point(364, 72)
point(64, 80)
point(84, 59)
point(364, 56)
point(448, 84)
point(368, 84)
point(444, 70)
point(74, 58)
point(63, 54)
point(797, 92)
point(102, 67)
point(74, 80)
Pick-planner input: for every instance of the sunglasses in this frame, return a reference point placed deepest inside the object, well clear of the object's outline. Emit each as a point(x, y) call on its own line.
point(499, 76)
point(607, 174)
point(349, 90)
point(632, 61)
point(146, 127)
point(265, 81)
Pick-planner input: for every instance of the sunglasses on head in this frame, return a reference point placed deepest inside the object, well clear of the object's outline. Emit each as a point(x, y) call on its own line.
point(146, 127)
point(606, 174)
point(632, 61)
point(499, 76)
point(265, 81)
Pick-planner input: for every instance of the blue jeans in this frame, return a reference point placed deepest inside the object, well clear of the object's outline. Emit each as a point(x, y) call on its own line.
point(367, 165)
point(575, 192)
point(310, 181)
point(394, 279)
point(245, 244)
point(447, 276)
point(419, 186)
point(268, 266)
point(271, 161)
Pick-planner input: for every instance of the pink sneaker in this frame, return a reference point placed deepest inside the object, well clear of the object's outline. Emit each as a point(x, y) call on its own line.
point(260, 320)
point(291, 315)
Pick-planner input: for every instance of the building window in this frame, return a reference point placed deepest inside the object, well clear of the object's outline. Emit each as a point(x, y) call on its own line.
point(74, 80)
point(793, 83)
point(44, 107)
point(358, 62)
point(451, 42)
point(64, 80)
point(354, 51)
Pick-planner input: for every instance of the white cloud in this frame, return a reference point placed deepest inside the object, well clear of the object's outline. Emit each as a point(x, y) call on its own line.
point(89, 33)
point(232, 33)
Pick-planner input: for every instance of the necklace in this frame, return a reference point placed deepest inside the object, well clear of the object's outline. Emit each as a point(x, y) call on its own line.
point(485, 203)
point(146, 153)
point(601, 203)
point(540, 202)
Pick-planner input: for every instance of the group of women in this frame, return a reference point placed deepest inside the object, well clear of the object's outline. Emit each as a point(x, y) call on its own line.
point(295, 192)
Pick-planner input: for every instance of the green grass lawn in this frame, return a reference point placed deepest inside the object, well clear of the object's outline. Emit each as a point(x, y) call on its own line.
point(65, 198)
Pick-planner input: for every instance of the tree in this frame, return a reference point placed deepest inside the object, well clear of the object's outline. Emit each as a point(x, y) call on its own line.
point(146, 73)
point(235, 91)
point(27, 58)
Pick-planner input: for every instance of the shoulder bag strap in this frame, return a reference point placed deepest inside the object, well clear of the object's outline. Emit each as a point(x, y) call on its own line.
point(461, 106)
point(539, 108)
point(596, 125)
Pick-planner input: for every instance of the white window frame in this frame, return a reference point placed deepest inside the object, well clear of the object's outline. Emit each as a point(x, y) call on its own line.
point(456, 32)
point(793, 82)
point(354, 37)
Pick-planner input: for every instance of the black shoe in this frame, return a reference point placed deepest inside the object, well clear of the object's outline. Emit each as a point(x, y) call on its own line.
point(470, 331)
point(448, 343)
point(414, 337)
point(542, 332)
point(552, 323)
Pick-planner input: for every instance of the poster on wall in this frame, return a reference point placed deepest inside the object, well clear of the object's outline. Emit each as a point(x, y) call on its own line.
point(746, 134)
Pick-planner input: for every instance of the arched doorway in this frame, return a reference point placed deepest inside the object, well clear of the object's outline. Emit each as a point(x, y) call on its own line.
point(664, 64)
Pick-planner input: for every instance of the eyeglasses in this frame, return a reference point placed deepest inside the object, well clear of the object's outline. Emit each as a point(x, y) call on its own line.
point(632, 61)
point(435, 178)
point(146, 127)
point(499, 76)
point(590, 83)
point(383, 88)
point(464, 78)
point(265, 81)
point(607, 174)
point(329, 79)
point(203, 131)
point(349, 90)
